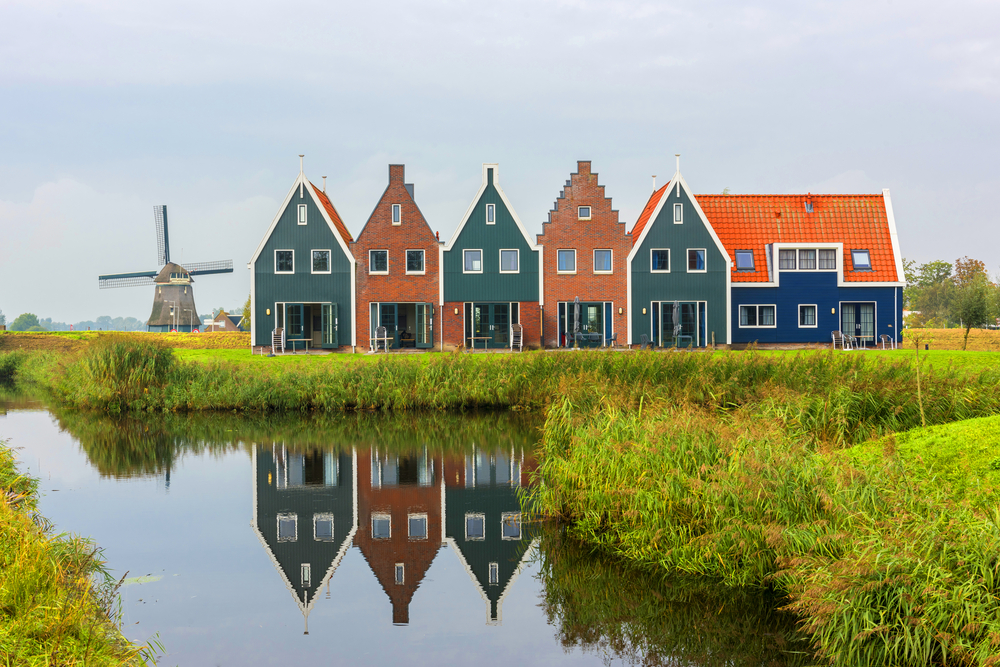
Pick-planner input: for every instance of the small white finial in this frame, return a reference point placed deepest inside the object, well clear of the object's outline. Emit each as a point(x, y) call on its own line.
point(654, 182)
point(677, 156)
point(678, 179)
point(302, 184)
point(324, 185)
point(300, 163)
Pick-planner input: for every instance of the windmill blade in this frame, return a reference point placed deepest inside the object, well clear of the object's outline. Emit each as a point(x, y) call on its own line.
point(162, 234)
point(140, 279)
point(205, 268)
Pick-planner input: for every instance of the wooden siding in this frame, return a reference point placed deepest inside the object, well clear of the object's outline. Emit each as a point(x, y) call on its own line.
point(679, 285)
point(302, 286)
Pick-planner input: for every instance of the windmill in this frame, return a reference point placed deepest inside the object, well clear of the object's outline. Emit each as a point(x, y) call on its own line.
point(173, 301)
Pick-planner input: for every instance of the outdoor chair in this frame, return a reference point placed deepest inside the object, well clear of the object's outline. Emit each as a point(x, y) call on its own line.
point(381, 338)
point(278, 340)
point(613, 341)
point(888, 343)
point(841, 340)
point(516, 334)
point(644, 342)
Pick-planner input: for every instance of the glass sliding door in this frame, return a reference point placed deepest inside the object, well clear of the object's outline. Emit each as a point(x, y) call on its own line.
point(425, 325)
point(329, 328)
point(294, 317)
point(858, 320)
point(685, 328)
point(500, 324)
point(387, 319)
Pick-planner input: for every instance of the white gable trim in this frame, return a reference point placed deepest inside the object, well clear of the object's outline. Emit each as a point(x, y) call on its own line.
point(893, 236)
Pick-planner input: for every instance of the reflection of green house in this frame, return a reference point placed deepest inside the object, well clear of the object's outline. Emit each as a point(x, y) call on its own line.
point(483, 522)
point(305, 515)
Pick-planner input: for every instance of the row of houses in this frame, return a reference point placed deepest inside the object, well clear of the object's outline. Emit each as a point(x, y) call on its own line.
point(694, 270)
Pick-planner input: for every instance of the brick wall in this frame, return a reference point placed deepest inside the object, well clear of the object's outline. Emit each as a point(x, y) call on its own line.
point(564, 230)
point(413, 233)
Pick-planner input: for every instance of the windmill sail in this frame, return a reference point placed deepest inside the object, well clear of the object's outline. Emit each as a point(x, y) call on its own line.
point(162, 235)
point(140, 279)
point(205, 268)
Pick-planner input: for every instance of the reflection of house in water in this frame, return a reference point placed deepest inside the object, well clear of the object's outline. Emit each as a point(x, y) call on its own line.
point(483, 521)
point(399, 515)
point(305, 514)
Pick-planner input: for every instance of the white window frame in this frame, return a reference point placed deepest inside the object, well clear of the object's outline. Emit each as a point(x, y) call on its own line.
point(329, 261)
point(581, 216)
point(678, 214)
point(470, 515)
point(418, 515)
point(687, 263)
point(669, 260)
point(594, 260)
point(283, 273)
point(480, 251)
point(399, 573)
point(500, 257)
point(753, 260)
point(378, 273)
point(491, 212)
point(423, 263)
point(520, 527)
point(305, 570)
point(381, 515)
point(397, 215)
point(303, 215)
point(494, 574)
point(815, 258)
point(836, 259)
point(572, 250)
point(795, 253)
point(854, 265)
point(815, 324)
point(277, 526)
point(739, 321)
point(324, 516)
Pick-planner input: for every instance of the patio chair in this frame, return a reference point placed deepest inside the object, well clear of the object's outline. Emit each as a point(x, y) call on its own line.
point(613, 341)
point(888, 342)
point(381, 338)
point(644, 342)
point(516, 334)
point(840, 339)
point(278, 340)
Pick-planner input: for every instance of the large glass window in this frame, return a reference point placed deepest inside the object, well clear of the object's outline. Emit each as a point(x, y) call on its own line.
point(417, 526)
point(602, 261)
point(321, 261)
point(807, 316)
point(827, 258)
point(414, 261)
point(284, 261)
point(508, 261)
point(475, 526)
point(807, 260)
point(756, 316)
point(510, 525)
point(381, 526)
point(378, 261)
point(659, 259)
point(744, 260)
point(473, 261)
point(786, 259)
point(862, 260)
point(323, 527)
point(288, 527)
point(567, 260)
point(696, 259)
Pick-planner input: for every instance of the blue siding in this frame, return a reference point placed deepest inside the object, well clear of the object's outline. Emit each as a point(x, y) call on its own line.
point(818, 288)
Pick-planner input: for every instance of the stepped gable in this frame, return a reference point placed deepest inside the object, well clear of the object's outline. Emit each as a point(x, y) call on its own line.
point(332, 212)
point(647, 212)
point(749, 222)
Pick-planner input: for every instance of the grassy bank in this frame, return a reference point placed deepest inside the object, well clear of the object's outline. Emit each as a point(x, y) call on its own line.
point(57, 603)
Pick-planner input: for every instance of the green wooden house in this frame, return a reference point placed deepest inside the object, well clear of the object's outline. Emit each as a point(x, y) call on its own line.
point(491, 278)
point(302, 282)
point(679, 273)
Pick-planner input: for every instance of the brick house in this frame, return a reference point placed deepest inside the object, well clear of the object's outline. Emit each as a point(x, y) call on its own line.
point(396, 257)
point(400, 527)
point(587, 247)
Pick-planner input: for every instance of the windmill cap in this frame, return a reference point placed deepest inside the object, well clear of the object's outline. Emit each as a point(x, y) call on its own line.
point(167, 273)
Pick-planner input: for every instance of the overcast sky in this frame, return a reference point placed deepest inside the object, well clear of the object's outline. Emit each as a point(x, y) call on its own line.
point(108, 108)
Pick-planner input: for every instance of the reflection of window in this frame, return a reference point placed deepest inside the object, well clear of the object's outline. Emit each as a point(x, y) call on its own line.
point(511, 525)
point(288, 527)
point(494, 574)
point(583, 213)
point(323, 527)
point(378, 261)
point(400, 573)
point(491, 214)
point(321, 261)
point(786, 259)
point(414, 261)
point(567, 261)
point(475, 526)
point(807, 259)
point(744, 260)
point(508, 261)
point(473, 261)
point(756, 316)
point(381, 526)
point(396, 214)
point(807, 316)
point(827, 259)
point(696, 259)
point(862, 260)
point(306, 575)
point(660, 260)
point(602, 261)
point(418, 526)
point(284, 261)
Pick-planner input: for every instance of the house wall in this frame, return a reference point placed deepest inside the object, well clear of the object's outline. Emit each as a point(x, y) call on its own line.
point(303, 286)
point(379, 233)
point(679, 285)
point(819, 288)
point(565, 231)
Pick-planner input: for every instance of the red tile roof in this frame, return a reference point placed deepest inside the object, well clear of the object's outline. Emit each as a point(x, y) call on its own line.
point(748, 222)
point(332, 212)
point(647, 212)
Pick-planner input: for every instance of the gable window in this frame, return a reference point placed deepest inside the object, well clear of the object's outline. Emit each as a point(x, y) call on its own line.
point(303, 213)
point(567, 261)
point(396, 214)
point(678, 214)
point(417, 526)
point(306, 572)
point(323, 527)
point(378, 261)
point(583, 212)
point(744, 260)
point(757, 316)
point(509, 261)
point(807, 260)
point(510, 525)
point(415, 261)
point(494, 574)
point(284, 261)
point(827, 258)
point(381, 526)
point(400, 573)
point(491, 214)
point(807, 315)
point(862, 260)
point(288, 527)
point(475, 526)
point(786, 259)
point(602, 261)
point(321, 261)
point(473, 261)
point(659, 260)
point(696, 260)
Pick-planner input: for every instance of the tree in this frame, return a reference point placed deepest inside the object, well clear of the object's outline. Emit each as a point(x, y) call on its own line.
point(3, 318)
point(929, 290)
point(246, 314)
point(24, 322)
point(973, 288)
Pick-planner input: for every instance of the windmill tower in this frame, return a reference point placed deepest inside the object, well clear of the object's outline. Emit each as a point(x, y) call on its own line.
point(173, 300)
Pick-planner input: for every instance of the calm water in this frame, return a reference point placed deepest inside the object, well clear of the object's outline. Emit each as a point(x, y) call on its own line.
point(359, 540)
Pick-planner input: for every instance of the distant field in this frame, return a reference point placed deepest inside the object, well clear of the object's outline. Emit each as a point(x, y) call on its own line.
point(72, 341)
point(980, 340)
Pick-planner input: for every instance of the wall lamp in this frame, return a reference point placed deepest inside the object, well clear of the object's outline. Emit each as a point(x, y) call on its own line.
point(643, 311)
point(621, 310)
point(268, 311)
point(456, 311)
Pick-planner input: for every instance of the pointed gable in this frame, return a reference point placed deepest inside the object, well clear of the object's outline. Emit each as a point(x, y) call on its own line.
point(332, 213)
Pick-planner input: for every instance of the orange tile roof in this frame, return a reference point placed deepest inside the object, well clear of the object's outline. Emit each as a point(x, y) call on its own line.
point(654, 199)
point(748, 222)
point(332, 212)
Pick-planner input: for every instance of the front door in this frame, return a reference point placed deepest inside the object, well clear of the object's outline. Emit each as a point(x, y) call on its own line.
point(858, 320)
point(491, 325)
point(294, 320)
point(425, 325)
point(500, 324)
point(387, 319)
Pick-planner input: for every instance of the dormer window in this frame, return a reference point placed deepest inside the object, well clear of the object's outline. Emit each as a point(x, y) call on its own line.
point(744, 260)
point(491, 214)
point(303, 212)
point(862, 260)
point(396, 214)
point(809, 207)
point(678, 214)
point(583, 212)
point(786, 260)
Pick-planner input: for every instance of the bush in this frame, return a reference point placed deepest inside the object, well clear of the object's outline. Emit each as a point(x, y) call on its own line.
point(116, 373)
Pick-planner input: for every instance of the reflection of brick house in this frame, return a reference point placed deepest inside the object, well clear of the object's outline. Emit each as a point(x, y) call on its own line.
point(399, 522)
point(586, 247)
